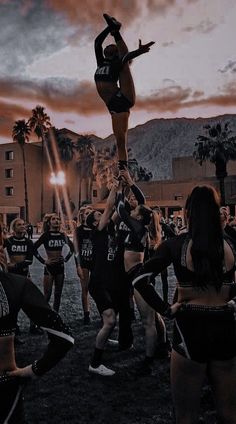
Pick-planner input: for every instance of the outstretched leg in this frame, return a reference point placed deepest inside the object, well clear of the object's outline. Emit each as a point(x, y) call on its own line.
point(125, 78)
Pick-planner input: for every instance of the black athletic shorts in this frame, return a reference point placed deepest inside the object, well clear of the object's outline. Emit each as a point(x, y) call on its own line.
point(104, 298)
point(85, 264)
point(119, 103)
point(11, 409)
point(203, 333)
point(55, 269)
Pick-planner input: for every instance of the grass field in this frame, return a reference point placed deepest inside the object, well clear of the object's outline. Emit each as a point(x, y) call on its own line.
point(69, 394)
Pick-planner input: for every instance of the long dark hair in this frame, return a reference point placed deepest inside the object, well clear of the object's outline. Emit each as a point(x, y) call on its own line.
point(151, 218)
point(205, 230)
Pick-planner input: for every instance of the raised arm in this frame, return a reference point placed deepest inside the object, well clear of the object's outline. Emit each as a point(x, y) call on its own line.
point(98, 45)
point(133, 187)
point(133, 224)
point(143, 48)
point(109, 208)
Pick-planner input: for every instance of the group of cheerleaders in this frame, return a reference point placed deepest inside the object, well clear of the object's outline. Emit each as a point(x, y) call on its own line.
point(110, 252)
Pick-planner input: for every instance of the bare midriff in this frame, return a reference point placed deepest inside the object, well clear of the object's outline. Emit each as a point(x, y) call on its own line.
point(56, 254)
point(207, 297)
point(7, 354)
point(132, 259)
point(17, 259)
point(106, 90)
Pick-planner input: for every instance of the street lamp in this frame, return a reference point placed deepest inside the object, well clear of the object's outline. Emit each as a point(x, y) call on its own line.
point(57, 179)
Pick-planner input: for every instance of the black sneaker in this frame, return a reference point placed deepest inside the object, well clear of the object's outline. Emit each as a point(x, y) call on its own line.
point(113, 24)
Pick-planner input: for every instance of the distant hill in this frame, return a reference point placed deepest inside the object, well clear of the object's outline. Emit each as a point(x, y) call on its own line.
point(155, 143)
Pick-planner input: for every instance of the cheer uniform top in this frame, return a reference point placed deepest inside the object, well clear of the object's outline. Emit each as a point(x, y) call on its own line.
point(201, 332)
point(53, 242)
point(20, 247)
point(108, 70)
point(84, 237)
point(17, 292)
point(136, 240)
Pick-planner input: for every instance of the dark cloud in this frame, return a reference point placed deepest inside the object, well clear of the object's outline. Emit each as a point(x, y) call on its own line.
point(67, 96)
point(203, 27)
point(28, 31)
point(58, 94)
point(175, 98)
point(167, 44)
point(230, 67)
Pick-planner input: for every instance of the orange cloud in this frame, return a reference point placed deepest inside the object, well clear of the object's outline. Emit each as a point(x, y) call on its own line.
point(82, 99)
point(175, 98)
point(9, 113)
point(55, 94)
point(90, 12)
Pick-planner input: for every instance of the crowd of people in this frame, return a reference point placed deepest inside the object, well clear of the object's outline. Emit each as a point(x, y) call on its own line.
point(118, 254)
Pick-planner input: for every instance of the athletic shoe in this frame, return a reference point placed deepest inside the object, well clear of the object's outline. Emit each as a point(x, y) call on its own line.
point(113, 24)
point(112, 342)
point(101, 370)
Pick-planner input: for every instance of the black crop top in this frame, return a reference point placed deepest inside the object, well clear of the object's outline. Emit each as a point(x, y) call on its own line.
point(17, 292)
point(83, 237)
point(136, 240)
point(20, 247)
point(53, 242)
point(108, 70)
point(174, 251)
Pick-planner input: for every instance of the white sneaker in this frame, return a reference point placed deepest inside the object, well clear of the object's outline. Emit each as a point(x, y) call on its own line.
point(112, 342)
point(101, 370)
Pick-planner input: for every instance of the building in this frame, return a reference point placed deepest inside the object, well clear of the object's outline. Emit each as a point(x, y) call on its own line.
point(12, 202)
point(170, 195)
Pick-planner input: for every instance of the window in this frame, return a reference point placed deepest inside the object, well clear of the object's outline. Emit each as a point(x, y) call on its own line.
point(9, 191)
point(9, 155)
point(95, 193)
point(9, 173)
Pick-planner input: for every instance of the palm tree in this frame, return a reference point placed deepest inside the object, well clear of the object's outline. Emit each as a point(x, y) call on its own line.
point(66, 149)
point(20, 134)
point(66, 153)
point(85, 162)
point(39, 123)
point(217, 147)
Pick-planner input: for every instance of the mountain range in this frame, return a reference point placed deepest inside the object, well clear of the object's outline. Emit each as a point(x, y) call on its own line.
point(155, 143)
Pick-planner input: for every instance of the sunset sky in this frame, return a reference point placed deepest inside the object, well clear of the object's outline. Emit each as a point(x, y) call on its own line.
point(47, 58)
